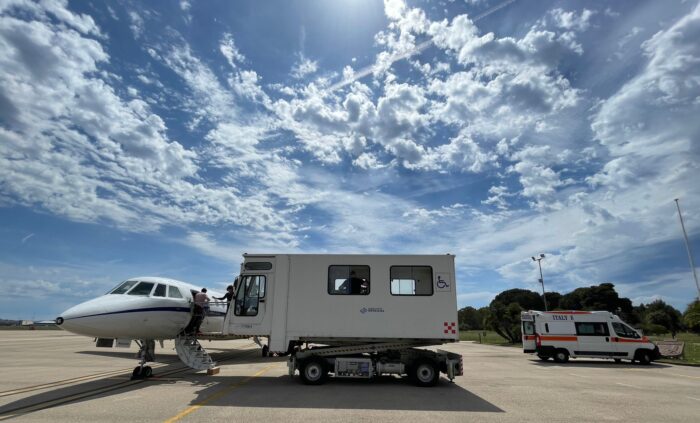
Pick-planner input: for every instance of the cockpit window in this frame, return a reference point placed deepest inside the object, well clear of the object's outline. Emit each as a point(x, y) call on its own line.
point(123, 287)
point(143, 288)
point(173, 292)
point(160, 290)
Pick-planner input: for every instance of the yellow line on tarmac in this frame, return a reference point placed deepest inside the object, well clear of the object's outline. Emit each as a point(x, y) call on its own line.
point(217, 395)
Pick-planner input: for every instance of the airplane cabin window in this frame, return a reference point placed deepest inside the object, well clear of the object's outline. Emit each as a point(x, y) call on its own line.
point(173, 292)
point(123, 287)
point(143, 288)
point(160, 290)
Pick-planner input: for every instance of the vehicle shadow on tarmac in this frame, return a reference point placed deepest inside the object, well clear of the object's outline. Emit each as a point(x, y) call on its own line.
point(606, 364)
point(383, 393)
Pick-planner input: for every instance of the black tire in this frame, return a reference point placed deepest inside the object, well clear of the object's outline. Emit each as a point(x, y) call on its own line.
point(561, 356)
point(644, 357)
point(618, 360)
point(543, 357)
point(146, 372)
point(424, 373)
point(136, 374)
point(313, 371)
point(265, 351)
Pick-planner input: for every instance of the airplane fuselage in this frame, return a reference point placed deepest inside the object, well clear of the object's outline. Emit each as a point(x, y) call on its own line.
point(159, 309)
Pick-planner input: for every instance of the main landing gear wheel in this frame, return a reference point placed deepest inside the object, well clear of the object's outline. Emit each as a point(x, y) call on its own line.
point(265, 351)
point(141, 372)
point(313, 371)
point(561, 356)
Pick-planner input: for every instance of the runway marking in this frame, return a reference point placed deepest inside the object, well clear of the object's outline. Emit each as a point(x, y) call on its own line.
point(218, 395)
point(575, 374)
point(693, 398)
point(624, 384)
point(106, 375)
point(678, 374)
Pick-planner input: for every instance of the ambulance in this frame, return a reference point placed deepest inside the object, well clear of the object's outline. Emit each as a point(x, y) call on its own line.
point(561, 335)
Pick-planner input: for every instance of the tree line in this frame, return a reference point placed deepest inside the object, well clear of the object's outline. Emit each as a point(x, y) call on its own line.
point(502, 315)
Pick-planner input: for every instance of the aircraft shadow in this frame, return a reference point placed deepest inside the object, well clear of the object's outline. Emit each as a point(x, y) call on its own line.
point(120, 383)
point(606, 364)
point(383, 393)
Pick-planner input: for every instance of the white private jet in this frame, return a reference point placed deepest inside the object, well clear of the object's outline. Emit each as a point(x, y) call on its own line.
point(146, 309)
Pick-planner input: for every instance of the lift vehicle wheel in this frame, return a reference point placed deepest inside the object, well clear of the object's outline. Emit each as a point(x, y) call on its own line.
point(561, 356)
point(543, 357)
point(644, 357)
point(618, 360)
point(136, 374)
point(265, 351)
point(424, 373)
point(313, 371)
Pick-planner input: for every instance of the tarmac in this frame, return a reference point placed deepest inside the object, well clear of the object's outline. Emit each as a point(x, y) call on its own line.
point(50, 376)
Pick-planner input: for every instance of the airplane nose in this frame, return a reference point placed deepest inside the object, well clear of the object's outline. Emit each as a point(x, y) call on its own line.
point(76, 319)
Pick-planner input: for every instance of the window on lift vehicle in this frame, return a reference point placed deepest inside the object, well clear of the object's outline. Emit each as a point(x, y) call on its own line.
point(123, 287)
point(348, 280)
point(251, 290)
point(173, 292)
point(625, 331)
point(258, 265)
point(160, 290)
point(143, 288)
point(592, 329)
point(411, 280)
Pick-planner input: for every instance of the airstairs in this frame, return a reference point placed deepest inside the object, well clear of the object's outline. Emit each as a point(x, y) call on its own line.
point(192, 354)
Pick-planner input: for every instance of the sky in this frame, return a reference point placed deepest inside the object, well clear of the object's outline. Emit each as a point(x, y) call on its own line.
point(168, 138)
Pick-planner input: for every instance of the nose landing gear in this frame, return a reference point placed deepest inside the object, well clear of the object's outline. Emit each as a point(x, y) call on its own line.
point(146, 353)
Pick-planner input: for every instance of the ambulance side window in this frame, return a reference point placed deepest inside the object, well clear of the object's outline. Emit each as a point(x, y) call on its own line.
point(546, 327)
point(592, 329)
point(624, 331)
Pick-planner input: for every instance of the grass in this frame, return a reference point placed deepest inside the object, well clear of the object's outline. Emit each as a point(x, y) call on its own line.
point(484, 337)
point(52, 327)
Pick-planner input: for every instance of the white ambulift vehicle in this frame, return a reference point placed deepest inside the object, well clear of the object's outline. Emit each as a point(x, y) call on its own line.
point(600, 334)
point(355, 316)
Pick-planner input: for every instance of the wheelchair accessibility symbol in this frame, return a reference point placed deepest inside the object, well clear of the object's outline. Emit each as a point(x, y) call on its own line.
point(442, 283)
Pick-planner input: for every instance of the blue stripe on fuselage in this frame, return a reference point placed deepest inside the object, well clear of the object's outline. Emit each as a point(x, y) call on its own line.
point(139, 310)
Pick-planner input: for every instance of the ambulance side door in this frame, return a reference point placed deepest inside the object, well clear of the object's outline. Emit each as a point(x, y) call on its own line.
point(594, 339)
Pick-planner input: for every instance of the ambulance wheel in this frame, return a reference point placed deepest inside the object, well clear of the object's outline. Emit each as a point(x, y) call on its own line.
point(543, 357)
point(561, 356)
point(424, 373)
point(313, 371)
point(265, 351)
point(644, 357)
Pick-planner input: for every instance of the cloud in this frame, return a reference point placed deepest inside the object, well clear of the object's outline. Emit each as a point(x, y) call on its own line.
point(304, 67)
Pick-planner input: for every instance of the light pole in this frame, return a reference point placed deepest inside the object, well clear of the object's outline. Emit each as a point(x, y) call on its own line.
point(687, 247)
point(539, 264)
